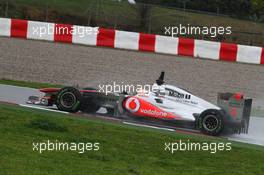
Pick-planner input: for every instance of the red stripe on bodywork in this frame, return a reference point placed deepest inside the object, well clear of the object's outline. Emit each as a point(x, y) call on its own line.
point(228, 52)
point(63, 33)
point(147, 42)
point(262, 56)
point(49, 90)
point(186, 47)
point(88, 90)
point(106, 37)
point(19, 28)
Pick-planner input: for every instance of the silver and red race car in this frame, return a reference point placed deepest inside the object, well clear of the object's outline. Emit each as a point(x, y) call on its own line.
point(162, 103)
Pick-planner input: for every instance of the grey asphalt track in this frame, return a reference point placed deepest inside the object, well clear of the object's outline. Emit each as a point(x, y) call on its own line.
point(19, 95)
point(69, 64)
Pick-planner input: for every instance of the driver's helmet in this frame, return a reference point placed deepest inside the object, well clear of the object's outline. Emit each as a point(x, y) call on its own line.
point(158, 90)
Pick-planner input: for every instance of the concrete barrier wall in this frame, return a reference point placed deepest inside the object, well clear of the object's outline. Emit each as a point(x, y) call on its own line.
point(133, 41)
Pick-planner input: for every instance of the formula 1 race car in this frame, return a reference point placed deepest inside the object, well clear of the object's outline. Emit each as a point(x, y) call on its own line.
point(163, 102)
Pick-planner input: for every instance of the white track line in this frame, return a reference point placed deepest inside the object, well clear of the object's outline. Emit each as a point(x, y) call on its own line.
point(148, 126)
point(245, 141)
point(45, 109)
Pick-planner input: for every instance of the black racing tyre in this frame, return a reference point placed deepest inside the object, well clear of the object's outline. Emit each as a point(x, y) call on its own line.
point(88, 106)
point(68, 99)
point(211, 122)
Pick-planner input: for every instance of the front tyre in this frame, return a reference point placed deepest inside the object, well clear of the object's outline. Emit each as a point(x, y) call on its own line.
point(68, 99)
point(211, 122)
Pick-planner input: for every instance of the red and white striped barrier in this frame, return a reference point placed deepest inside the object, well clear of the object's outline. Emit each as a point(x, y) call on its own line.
point(135, 41)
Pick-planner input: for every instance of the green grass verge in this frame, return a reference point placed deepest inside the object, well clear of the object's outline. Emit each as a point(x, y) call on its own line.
point(123, 149)
point(27, 84)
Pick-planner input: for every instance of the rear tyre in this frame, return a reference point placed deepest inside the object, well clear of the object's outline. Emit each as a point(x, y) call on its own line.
point(68, 99)
point(211, 122)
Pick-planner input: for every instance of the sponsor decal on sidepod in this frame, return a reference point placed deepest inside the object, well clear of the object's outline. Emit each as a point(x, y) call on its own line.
point(141, 107)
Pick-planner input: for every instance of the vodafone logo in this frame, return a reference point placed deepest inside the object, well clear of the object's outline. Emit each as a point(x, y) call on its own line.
point(132, 104)
point(154, 113)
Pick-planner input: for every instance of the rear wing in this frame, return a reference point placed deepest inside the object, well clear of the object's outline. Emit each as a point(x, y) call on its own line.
point(238, 110)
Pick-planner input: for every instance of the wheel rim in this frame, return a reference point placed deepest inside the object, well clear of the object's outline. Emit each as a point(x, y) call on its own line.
point(210, 122)
point(68, 100)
